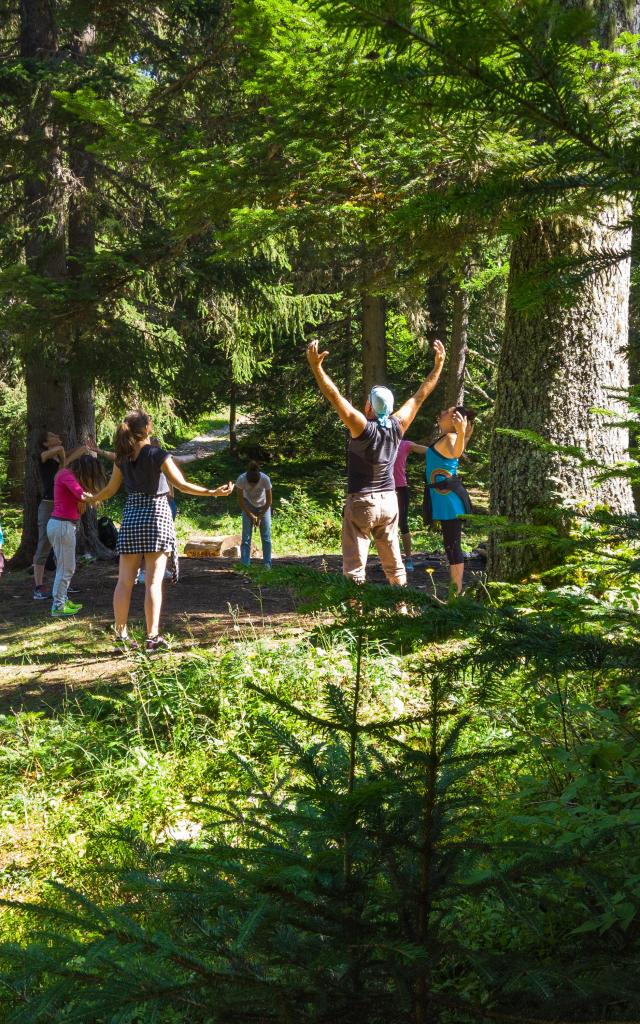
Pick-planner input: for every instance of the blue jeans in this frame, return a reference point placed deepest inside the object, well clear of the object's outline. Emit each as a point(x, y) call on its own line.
point(265, 536)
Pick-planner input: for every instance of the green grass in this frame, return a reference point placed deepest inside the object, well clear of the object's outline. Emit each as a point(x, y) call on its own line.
point(148, 756)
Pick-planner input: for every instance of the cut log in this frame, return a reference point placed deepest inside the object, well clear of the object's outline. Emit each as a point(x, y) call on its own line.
point(215, 547)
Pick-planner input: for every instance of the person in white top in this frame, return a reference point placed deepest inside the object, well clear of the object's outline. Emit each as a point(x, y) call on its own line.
point(255, 497)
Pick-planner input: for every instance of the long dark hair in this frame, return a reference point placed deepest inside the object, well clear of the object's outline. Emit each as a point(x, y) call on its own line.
point(89, 473)
point(131, 431)
point(465, 411)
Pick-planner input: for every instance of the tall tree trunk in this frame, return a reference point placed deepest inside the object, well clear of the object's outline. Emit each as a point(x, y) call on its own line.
point(374, 342)
point(555, 366)
point(437, 307)
point(233, 416)
point(48, 408)
point(45, 356)
point(634, 350)
point(81, 249)
point(559, 364)
point(348, 375)
point(454, 386)
point(84, 411)
point(82, 246)
point(16, 462)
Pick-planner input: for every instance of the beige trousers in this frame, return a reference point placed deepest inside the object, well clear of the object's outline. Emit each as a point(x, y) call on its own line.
point(366, 517)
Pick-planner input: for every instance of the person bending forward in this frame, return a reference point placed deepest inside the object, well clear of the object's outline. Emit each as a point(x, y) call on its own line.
point(371, 507)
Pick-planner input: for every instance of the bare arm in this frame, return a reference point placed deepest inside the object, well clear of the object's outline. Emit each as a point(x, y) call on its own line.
point(82, 449)
point(452, 445)
point(419, 449)
point(354, 420)
point(174, 475)
point(111, 456)
point(407, 412)
point(269, 497)
point(245, 508)
point(114, 485)
point(199, 453)
point(53, 453)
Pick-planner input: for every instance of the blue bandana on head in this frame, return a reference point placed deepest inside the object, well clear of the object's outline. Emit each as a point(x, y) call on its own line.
point(382, 404)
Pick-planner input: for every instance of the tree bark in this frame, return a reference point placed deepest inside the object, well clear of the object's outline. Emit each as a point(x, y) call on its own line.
point(348, 375)
point(555, 366)
point(374, 342)
point(233, 415)
point(49, 404)
point(16, 461)
point(454, 387)
point(634, 356)
point(437, 306)
point(81, 247)
point(48, 408)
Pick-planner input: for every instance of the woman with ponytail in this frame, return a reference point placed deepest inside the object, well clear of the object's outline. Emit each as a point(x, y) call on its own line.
point(371, 508)
point(147, 529)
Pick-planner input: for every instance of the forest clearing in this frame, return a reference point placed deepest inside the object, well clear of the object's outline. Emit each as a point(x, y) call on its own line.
point(319, 512)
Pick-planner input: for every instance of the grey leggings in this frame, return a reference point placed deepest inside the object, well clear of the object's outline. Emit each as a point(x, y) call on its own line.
point(62, 536)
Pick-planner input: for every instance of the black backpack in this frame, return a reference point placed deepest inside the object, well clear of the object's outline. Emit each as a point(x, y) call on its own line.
point(107, 532)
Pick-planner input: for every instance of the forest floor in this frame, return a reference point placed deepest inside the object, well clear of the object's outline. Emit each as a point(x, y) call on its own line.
point(46, 658)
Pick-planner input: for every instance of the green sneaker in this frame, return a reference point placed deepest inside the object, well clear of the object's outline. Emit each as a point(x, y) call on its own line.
point(69, 609)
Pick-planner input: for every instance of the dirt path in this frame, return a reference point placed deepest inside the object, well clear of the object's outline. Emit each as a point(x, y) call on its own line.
point(215, 441)
point(46, 658)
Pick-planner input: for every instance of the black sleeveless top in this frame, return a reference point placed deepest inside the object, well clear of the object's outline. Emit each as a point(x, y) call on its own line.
point(144, 475)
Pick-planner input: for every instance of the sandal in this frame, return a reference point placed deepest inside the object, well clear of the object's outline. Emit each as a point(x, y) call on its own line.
point(156, 643)
point(126, 643)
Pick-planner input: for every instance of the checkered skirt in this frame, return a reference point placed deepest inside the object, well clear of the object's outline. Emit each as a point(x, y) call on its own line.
point(147, 526)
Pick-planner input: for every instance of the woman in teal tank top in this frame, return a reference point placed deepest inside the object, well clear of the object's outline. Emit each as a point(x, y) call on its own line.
point(446, 504)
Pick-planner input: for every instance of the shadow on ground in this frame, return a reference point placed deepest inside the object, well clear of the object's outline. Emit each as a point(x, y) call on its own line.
point(46, 659)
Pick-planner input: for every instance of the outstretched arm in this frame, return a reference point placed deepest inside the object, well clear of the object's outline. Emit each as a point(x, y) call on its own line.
point(174, 475)
point(111, 456)
point(200, 453)
point(354, 420)
point(407, 412)
point(83, 449)
point(115, 482)
point(418, 449)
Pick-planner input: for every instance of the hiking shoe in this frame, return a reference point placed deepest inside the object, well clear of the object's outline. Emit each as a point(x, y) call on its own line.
point(125, 643)
point(155, 644)
point(409, 566)
point(40, 594)
point(69, 609)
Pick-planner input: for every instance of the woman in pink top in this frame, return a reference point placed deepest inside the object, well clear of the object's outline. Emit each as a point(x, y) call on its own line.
point(70, 490)
point(402, 491)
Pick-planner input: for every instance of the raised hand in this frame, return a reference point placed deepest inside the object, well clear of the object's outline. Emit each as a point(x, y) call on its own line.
point(314, 357)
point(459, 422)
point(439, 354)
